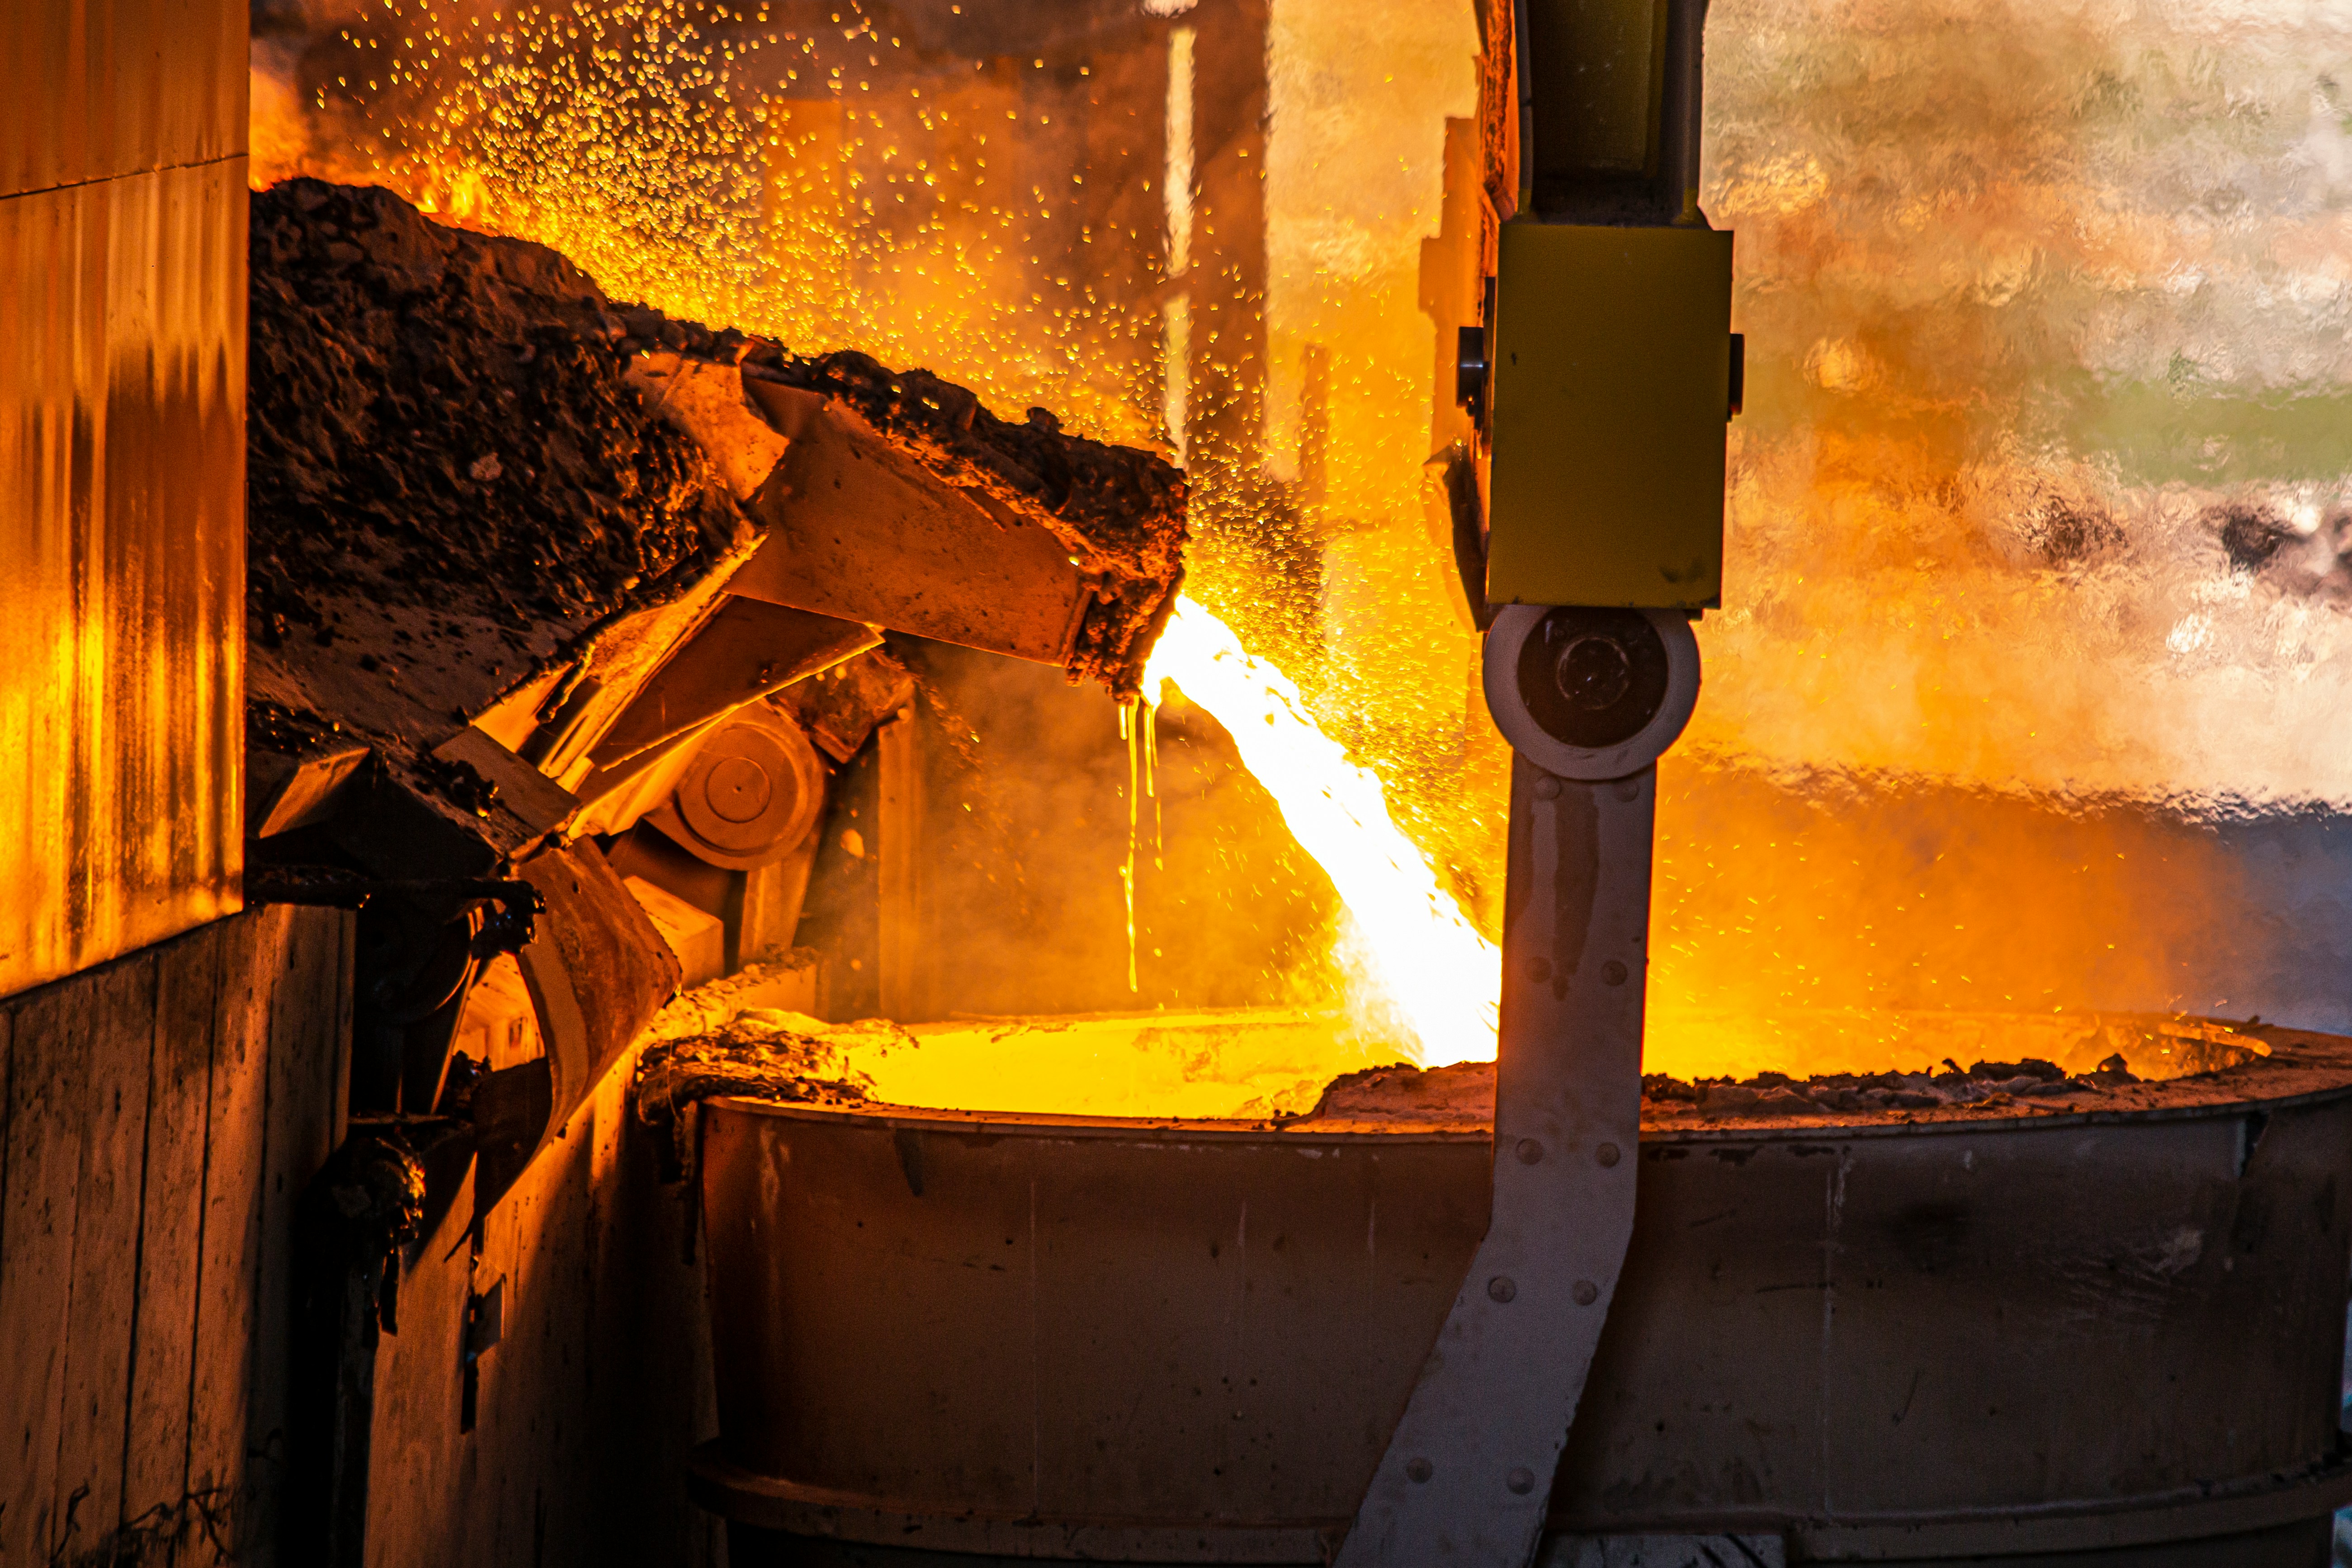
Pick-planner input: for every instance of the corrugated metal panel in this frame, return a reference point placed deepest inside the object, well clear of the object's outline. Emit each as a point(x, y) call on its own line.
point(95, 89)
point(122, 337)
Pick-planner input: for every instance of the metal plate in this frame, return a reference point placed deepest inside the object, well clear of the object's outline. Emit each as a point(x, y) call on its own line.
point(536, 801)
point(1468, 1475)
point(597, 973)
point(1611, 385)
point(1893, 1342)
point(745, 650)
point(860, 530)
point(109, 87)
point(121, 559)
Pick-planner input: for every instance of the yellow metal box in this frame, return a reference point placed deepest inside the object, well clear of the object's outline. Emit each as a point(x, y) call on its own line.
point(1610, 381)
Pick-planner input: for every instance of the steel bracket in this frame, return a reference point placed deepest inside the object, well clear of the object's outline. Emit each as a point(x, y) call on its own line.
point(1468, 1476)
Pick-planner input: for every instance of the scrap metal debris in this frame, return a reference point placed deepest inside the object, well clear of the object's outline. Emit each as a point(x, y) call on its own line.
point(2170, 1062)
point(1989, 1085)
point(453, 486)
point(441, 418)
point(760, 1052)
point(470, 469)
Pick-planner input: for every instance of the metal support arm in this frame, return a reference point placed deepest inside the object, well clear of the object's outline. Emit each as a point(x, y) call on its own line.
point(1467, 1477)
point(1468, 1474)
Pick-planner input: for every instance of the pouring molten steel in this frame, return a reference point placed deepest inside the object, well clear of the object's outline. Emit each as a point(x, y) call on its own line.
point(1415, 947)
point(2025, 701)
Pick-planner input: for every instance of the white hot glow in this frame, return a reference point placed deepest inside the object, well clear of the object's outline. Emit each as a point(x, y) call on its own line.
point(1442, 976)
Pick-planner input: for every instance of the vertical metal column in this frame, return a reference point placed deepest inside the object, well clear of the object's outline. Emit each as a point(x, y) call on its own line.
point(1588, 698)
point(1468, 1474)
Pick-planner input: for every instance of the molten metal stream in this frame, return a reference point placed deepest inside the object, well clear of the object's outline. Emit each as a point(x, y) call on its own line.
point(2040, 537)
point(1418, 949)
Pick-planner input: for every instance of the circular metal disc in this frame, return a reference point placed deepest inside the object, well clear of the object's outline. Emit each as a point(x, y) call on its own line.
point(752, 793)
point(1646, 704)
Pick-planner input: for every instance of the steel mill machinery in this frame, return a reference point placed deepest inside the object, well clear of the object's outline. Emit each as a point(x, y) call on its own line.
point(2110, 1335)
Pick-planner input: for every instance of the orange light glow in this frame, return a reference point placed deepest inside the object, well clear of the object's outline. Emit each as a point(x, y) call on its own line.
point(1268, 1063)
point(2040, 525)
point(1410, 944)
point(1250, 1064)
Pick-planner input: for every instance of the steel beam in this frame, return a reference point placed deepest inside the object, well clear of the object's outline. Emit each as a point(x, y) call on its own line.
point(1467, 1477)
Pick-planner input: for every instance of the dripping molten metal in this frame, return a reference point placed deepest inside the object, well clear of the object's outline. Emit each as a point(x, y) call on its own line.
point(1439, 972)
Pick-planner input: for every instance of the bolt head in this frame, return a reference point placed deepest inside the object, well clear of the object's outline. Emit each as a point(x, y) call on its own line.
point(1528, 1152)
point(1419, 1470)
point(1547, 788)
point(1612, 974)
point(1540, 970)
point(1521, 1480)
point(1608, 1155)
point(1594, 673)
point(1586, 1292)
point(1627, 789)
point(1501, 1288)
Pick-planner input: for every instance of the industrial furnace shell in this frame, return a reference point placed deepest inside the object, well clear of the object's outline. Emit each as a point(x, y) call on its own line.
point(1050, 1337)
